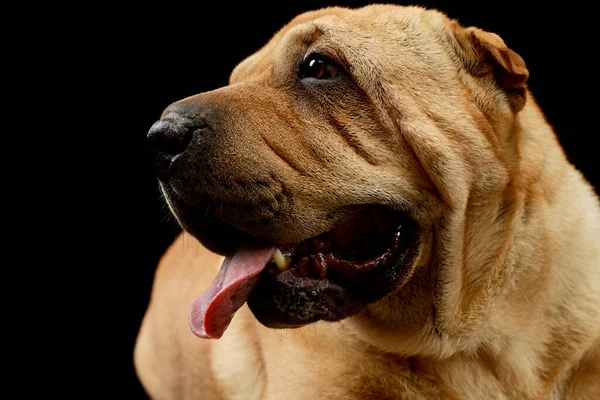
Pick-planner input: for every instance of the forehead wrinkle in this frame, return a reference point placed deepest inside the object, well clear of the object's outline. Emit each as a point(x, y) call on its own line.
point(300, 36)
point(283, 46)
point(304, 26)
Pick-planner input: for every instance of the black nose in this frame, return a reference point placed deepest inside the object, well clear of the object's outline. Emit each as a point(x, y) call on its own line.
point(169, 137)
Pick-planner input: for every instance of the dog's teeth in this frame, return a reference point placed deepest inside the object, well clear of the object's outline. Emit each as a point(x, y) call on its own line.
point(283, 263)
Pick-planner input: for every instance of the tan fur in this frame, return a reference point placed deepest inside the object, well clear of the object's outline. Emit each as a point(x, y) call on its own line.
point(503, 301)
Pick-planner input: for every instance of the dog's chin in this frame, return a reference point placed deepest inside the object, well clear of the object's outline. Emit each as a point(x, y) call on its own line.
point(327, 277)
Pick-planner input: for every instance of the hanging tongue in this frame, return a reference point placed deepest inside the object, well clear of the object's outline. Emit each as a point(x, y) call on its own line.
point(212, 311)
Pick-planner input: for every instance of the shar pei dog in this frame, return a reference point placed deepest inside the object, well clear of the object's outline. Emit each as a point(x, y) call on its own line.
point(374, 207)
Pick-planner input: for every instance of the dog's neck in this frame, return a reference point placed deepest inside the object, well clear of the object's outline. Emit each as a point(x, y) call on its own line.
point(501, 308)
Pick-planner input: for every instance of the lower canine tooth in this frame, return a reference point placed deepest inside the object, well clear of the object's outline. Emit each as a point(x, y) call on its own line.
point(283, 263)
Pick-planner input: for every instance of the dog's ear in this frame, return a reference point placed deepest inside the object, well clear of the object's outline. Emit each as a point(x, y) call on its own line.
point(484, 53)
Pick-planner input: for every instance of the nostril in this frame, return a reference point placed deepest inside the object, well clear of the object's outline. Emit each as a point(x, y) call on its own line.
point(170, 137)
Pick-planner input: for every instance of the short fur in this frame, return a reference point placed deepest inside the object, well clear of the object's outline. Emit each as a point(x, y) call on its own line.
point(503, 300)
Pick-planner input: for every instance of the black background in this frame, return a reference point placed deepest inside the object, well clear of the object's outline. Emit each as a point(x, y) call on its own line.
point(146, 58)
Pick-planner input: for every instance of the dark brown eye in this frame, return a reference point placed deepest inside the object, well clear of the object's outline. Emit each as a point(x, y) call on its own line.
point(318, 67)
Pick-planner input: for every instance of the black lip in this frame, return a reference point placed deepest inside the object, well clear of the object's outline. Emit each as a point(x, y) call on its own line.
point(287, 301)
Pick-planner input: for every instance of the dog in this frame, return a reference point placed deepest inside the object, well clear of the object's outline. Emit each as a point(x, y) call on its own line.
point(375, 207)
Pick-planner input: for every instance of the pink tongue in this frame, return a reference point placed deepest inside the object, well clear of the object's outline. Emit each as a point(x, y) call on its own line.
point(212, 311)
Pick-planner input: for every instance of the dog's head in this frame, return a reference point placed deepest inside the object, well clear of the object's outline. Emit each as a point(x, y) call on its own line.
point(339, 163)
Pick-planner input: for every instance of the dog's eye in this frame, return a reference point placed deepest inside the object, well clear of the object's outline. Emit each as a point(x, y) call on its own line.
point(318, 67)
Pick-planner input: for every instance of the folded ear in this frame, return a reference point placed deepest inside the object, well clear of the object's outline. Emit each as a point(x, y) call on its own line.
point(484, 53)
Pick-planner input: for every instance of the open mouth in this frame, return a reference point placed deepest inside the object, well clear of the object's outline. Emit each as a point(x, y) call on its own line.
point(327, 277)
point(366, 241)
